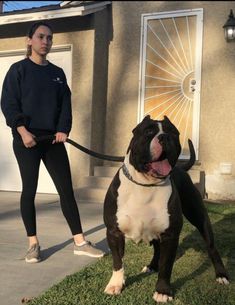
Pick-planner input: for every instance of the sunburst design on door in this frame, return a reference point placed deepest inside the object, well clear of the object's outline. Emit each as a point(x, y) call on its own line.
point(170, 72)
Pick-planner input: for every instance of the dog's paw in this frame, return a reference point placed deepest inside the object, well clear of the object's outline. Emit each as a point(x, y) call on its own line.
point(222, 280)
point(162, 298)
point(113, 290)
point(116, 283)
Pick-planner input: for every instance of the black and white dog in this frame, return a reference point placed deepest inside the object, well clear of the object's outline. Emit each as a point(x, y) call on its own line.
point(146, 200)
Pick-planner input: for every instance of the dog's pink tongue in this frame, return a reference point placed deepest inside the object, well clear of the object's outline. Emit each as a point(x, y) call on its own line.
point(162, 168)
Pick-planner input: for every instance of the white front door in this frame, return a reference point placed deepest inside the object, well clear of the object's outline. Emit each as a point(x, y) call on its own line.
point(170, 71)
point(9, 172)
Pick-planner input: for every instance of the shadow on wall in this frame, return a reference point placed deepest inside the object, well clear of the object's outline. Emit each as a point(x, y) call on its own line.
point(103, 26)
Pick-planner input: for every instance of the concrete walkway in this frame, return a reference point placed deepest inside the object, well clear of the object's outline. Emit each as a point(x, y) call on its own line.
point(18, 279)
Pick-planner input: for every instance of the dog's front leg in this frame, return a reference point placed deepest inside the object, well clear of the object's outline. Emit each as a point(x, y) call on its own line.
point(168, 249)
point(116, 241)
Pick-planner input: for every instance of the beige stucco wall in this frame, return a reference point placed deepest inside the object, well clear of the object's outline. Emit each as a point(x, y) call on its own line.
point(217, 128)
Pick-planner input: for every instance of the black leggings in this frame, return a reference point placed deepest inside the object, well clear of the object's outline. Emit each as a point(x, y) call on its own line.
point(56, 161)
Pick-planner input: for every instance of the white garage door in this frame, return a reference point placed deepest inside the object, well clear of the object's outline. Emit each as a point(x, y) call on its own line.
point(9, 172)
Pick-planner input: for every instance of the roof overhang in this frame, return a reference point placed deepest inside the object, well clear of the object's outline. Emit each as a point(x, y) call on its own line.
point(53, 13)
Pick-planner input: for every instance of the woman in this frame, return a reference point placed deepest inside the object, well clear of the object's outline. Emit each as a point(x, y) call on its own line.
point(36, 101)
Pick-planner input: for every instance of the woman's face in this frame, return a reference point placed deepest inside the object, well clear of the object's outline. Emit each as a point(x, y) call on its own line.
point(41, 41)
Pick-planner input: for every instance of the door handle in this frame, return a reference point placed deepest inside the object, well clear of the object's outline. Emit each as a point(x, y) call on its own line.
point(192, 85)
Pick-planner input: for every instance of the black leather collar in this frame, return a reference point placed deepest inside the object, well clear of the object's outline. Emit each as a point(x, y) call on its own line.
point(129, 177)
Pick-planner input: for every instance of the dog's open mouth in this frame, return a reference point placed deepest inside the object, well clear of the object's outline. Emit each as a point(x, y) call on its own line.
point(159, 169)
point(159, 166)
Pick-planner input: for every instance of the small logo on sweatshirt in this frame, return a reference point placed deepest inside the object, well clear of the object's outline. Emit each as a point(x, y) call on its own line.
point(57, 80)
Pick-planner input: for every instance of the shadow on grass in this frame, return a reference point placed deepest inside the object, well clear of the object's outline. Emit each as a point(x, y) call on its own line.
point(136, 278)
point(223, 230)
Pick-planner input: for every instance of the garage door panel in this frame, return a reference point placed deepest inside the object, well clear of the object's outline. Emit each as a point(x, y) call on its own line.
point(9, 173)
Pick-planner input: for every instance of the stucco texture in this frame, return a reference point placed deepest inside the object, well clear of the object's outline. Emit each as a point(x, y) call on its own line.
point(217, 108)
point(105, 79)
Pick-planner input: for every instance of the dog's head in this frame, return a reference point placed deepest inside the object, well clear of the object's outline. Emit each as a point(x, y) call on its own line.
point(155, 147)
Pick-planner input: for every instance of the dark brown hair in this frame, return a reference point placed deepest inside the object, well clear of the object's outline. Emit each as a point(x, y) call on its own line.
point(32, 30)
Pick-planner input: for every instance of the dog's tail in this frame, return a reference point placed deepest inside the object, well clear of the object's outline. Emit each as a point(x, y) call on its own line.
point(186, 165)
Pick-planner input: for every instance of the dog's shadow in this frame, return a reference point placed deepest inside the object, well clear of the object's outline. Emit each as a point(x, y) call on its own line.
point(194, 241)
point(137, 278)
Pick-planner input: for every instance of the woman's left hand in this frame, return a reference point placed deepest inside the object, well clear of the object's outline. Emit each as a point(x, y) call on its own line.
point(60, 137)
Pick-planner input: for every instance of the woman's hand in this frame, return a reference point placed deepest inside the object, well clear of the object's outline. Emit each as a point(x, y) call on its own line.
point(27, 137)
point(60, 137)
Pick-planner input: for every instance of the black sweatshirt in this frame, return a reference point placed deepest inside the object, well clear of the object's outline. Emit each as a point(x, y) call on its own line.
point(36, 97)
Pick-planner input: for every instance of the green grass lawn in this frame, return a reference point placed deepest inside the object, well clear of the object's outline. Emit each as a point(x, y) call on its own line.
point(193, 277)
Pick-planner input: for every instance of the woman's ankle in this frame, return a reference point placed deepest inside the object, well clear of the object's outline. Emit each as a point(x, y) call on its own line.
point(33, 240)
point(79, 239)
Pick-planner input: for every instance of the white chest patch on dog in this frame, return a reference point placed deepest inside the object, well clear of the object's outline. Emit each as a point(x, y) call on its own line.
point(142, 212)
point(160, 129)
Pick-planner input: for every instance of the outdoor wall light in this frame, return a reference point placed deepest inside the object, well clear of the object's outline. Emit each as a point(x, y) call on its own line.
point(229, 27)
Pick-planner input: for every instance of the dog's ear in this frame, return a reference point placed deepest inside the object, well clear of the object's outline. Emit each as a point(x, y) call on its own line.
point(170, 125)
point(145, 119)
point(167, 119)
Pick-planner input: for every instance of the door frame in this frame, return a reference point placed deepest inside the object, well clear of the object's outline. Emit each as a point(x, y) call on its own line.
point(198, 60)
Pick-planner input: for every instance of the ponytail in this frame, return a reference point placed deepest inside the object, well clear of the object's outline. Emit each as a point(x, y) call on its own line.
point(28, 51)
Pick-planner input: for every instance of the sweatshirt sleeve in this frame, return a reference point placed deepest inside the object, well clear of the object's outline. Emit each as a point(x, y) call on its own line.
point(10, 99)
point(65, 116)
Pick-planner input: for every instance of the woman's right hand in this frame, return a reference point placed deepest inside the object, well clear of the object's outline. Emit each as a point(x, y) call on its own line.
point(27, 137)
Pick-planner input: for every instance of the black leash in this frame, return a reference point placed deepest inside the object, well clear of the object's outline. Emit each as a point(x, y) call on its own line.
point(82, 148)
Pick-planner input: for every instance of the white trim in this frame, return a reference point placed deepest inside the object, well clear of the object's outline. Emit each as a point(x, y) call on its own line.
point(57, 48)
point(53, 14)
point(198, 65)
point(143, 39)
point(171, 14)
point(72, 3)
point(63, 3)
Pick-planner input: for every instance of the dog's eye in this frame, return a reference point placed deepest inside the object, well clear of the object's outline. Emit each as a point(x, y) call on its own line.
point(149, 132)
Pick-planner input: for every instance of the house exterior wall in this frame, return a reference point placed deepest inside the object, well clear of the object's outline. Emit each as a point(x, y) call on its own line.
point(217, 128)
point(105, 83)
